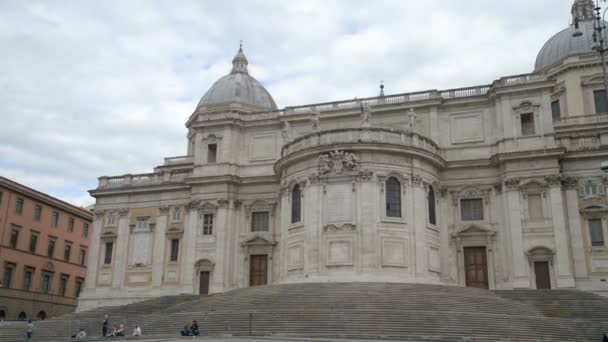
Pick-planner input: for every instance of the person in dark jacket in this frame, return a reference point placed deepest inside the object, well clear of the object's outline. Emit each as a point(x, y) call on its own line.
point(104, 327)
point(186, 331)
point(194, 329)
point(605, 338)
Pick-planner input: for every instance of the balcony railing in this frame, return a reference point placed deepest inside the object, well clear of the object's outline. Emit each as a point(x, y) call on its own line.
point(581, 120)
point(143, 179)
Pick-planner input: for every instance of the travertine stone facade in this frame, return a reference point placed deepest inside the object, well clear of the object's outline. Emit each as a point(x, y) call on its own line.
point(494, 186)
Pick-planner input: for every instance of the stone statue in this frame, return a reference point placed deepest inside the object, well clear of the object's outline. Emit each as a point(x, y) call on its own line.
point(366, 114)
point(325, 164)
point(316, 120)
point(286, 133)
point(412, 120)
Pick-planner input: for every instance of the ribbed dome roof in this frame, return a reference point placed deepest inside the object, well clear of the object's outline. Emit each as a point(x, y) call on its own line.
point(238, 86)
point(563, 44)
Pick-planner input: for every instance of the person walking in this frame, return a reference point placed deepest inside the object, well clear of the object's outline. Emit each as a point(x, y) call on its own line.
point(104, 328)
point(29, 329)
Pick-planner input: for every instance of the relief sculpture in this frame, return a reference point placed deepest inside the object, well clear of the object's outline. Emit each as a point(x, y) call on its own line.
point(338, 161)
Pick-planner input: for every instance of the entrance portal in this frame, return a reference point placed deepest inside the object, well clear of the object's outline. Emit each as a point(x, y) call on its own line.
point(258, 267)
point(203, 284)
point(541, 271)
point(476, 267)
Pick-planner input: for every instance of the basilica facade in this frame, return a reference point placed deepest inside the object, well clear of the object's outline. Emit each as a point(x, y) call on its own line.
point(495, 186)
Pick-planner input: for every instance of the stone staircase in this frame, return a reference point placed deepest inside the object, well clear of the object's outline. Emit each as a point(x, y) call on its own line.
point(408, 312)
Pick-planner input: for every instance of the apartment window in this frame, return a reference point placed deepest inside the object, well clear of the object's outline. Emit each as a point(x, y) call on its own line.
point(535, 206)
point(208, 224)
point(63, 284)
point(71, 224)
point(78, 287)
point(33, 242)
point(596, 232)
point(599, 98)
point(19, 206)
point(108, 254)
point(471, 209)
point(393, 197)
point(50, 251)
point(591, 188)
point(67, 251)
point(431, 205)
point(259, 221)
point(14, 237)
point(211, 153)
point(85, 230)
point(556, 111)
point(8, 275)
point(174, 249)
point(27, 278)
point(176, 214)
point(82, 257)
point(527, 124)
point(46, 283)
point(55, 219)
point(37, 212)
point(296, 204)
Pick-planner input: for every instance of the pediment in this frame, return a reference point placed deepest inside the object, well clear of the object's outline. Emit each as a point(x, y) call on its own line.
point(595, 207)
point(474, 230)
point(258, 240)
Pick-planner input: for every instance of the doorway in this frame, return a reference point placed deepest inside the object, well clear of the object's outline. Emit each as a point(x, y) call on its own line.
point(258, 267)
point(476, 267)
point(541, 272)
point(203, 283)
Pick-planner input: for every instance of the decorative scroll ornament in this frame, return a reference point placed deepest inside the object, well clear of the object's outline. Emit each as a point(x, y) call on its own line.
point(124, 212)
point(346, 227)
point(338, 161)
point(553, 180)
point(512, 183)
point(164, 210)
point(193, 204)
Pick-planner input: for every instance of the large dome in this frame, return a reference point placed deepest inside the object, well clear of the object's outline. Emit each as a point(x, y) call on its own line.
point(238, 86)
point(564, 44)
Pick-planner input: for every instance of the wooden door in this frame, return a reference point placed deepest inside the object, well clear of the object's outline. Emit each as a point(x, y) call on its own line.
point(258, 266)
point(541, 270)
point(203, 285)
point(476, 267)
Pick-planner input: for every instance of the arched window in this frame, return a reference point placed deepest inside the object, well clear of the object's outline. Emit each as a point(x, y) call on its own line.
point(41, 315)
point(393, 197)
point(2, 315)
point(296, 204)
point(22, 316)
point(431, 204)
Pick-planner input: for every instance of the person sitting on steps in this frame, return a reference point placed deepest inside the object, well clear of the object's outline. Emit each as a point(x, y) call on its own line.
point(194, 328)
point(186, 331)
point(137, 331)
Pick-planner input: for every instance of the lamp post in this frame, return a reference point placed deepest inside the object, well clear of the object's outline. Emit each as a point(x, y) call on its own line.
point(599, 40)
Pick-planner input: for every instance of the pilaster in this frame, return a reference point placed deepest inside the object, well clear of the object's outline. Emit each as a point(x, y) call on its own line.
point(562, 263)
point(419, 225)
point(575, 229)
point(122, 242)
point(521, 276)
point(188, 249)
point(93, 262)
point(159, 246)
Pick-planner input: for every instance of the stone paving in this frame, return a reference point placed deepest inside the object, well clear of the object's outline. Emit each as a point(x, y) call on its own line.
point(249, 339)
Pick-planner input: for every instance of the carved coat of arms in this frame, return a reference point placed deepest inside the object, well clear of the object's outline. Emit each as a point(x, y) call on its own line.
point(338, 161)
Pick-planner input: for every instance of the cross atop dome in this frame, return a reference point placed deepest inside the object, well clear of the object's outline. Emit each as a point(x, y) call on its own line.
point(239, 62)
point(582, 10)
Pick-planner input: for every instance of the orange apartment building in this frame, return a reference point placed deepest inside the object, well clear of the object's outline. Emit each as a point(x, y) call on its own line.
point(44, 245)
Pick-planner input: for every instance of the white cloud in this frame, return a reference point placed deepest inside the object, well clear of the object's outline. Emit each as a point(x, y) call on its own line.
point(104, 88)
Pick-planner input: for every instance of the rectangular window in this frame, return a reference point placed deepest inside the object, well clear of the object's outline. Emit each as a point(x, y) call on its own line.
point(108, 255)
point(535, 207)
point(259, 221)
point(211, 153)
point(208, 224)
point(471, 209)
point(19, 206)
point(71, 224)
point(599, 98)
point(33, 243)
point(174, 250)
point(176, 214)
point(37, 212)
point(14, 237)
point(8, 276)
point(591, 188)
point(63, 284)
point(85, 230)
point(82, 257)
point(66, 252)
point(50, 251)
point(556, 111)
point(46, 283)
point(55, 219)
point(111, 219)
point(527, 124)
point(27, 278)
point(78, 287)
point(596, 232)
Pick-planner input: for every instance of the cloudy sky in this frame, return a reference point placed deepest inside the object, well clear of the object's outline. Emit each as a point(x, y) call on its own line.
point(92, 88)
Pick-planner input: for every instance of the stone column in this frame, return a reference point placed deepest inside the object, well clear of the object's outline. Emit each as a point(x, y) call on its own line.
point(366, 220)
point(521, 276)
point(313, 209)
point(442, 216)
point(228, 244)
point(94, 247)
point(188, 249)
point(120, 255)
point(419, 226)
point(563, 269)
point(159, 246)
point(575, 229)
point(219, 271)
